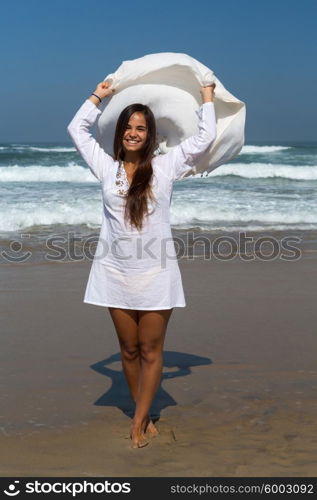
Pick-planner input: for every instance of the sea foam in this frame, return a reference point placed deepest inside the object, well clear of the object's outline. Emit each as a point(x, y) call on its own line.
point(266, 170)
point(40, 173)
point(262, 149)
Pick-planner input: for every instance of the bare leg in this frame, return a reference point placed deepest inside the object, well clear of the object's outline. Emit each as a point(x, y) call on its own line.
point(126, 325)
point(151, 335)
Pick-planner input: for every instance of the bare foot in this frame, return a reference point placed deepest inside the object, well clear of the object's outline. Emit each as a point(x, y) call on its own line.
point(150, 429)
point(138, 437)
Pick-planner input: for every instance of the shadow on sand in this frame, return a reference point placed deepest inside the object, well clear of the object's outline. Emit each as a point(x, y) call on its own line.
point(118, 394)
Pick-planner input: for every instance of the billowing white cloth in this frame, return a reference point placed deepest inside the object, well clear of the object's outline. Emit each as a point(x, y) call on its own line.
point(169, 83)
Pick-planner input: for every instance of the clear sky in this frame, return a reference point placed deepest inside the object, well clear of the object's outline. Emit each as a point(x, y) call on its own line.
point(55, 52)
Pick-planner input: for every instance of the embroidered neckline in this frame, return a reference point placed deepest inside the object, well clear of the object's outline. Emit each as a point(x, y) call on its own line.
point(122, 182)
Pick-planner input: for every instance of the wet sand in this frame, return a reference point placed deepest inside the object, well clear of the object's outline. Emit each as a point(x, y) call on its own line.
point(238, 393)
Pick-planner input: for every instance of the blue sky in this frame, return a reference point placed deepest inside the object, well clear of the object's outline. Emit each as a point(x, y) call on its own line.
point(55, 52)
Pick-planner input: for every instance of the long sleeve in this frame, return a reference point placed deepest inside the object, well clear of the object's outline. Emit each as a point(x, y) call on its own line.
point(182, 158)
point(93, 154)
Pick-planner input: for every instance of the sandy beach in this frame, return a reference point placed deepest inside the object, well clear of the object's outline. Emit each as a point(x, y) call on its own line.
point(238, 393)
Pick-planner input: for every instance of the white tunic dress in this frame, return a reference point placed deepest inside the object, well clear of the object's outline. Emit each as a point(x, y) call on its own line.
point(135, 269)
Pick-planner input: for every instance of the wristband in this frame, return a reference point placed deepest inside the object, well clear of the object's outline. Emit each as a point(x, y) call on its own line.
point(97, 96)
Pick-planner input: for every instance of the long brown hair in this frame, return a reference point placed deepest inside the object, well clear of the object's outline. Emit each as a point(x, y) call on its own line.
point(140, 189)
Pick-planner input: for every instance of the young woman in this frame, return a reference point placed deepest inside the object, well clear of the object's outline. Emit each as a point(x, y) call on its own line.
point(135, 272)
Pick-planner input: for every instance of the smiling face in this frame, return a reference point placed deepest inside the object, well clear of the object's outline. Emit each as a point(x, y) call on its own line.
point(134, 137)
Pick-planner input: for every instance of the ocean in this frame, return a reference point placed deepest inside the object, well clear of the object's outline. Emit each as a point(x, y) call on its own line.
point(48, 188)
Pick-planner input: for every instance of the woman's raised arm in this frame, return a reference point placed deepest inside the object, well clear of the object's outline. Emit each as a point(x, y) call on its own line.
point(182, 158)
point(79, 130)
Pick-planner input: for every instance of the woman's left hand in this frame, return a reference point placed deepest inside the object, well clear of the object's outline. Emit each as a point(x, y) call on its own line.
point(208, 93)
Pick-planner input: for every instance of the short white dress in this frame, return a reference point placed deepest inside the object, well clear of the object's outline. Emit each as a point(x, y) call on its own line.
point(135, 269)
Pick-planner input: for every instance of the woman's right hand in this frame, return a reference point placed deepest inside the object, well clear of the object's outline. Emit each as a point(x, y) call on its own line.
point(103, 89)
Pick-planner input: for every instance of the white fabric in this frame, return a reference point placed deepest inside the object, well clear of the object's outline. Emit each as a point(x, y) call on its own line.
point(137, 269)
point(169, 84)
